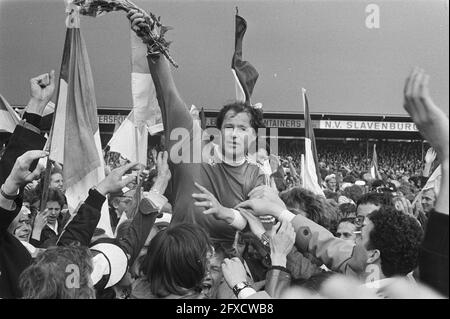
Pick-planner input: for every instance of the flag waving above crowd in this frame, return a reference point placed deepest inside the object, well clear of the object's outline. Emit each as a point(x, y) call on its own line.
point(75, 137)
point(245, 74)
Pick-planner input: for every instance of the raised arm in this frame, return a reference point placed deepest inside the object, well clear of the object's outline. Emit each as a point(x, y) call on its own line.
point(174, 111)
point(433, 124)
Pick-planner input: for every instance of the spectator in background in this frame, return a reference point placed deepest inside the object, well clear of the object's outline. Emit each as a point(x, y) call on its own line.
point(56, 179)
point(347, 229)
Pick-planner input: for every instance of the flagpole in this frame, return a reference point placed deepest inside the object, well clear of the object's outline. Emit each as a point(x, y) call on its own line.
point(46, 179)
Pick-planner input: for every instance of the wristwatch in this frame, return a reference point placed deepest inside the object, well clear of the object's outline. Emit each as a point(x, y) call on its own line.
point(239, 287)
point(265, 239)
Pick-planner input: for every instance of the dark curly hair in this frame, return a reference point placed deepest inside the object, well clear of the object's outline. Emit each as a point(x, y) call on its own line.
point(316, 207)
point(353, 192)
point(256, 115)
point(398, 238)
point(48, 276)
point(378, 199)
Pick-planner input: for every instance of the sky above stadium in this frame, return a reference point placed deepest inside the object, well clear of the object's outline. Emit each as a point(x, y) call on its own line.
point(323, 46)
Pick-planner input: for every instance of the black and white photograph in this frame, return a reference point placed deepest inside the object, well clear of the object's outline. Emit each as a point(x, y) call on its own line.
point(236, 152)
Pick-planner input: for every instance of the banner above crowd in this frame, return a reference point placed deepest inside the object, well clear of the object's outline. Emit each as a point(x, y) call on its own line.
point(296, 124)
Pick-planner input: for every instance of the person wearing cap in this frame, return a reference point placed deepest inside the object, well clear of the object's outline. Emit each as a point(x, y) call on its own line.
point(113, 257)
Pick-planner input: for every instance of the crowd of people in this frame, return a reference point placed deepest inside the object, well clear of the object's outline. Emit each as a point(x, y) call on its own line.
point(237, 225)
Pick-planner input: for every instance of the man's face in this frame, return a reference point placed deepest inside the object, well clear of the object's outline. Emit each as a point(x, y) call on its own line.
point(57, 181)
point(23, 229)
point(214, 275)
point(237, 134)
point(346, 231)
point(54, 209)
point(124, 203)
point(366, 229)
point(428, 200)
point(331, 183)
point(366, 209)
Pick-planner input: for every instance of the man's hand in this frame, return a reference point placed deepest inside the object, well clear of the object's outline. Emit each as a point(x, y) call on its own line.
point(282, 239)
point(115, 181)
point(254, 223)
point(164, 174)
point(430, 156)
point(402, 204)
point(430, 119)
point(212, 206)
point(42, 89)
point(138, 21)
point(233, 271)
point(21, 174)
point(264, 206)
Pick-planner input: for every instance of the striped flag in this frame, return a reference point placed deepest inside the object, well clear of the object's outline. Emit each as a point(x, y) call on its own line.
point(8, 117)
point(131, 138)
point(310, 171)
point(244, 73)
point(374, 167)
point(75, 139)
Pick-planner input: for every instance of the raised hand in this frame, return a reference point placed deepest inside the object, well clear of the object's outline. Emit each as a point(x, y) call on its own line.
point(282, 239)
point(430, 156)
point(233, 271)
point(115, 181)
point(431, 121)
point(21, 174)
point(211, 205)
point(42, 89)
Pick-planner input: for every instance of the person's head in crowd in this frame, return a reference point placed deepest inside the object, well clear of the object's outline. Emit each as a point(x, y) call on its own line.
point(331, 182)
point(347, 209)
point(177, 260)
point(239, 124)
point(372, 201)
point(59, 273)
point(349, 179)
point(428, 199)
point(329, 194)
point(55, 203)
point(214, 276)
point(20, 227)
point(56, 179)
point(315, 207)
point(405, 189)
point(122, 202)
point(392, 240)
point(354, 192)
point(346, 229)
point(161, 222)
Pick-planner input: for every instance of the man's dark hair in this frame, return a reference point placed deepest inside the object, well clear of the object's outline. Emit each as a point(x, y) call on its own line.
point(378, 199)
point(176, 260)
point(398, 238)
point(353, 192)
point(347, 209)
point(256, 115)
point(47, 277)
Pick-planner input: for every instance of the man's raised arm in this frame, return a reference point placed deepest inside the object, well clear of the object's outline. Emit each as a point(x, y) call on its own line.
point(173, 109)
